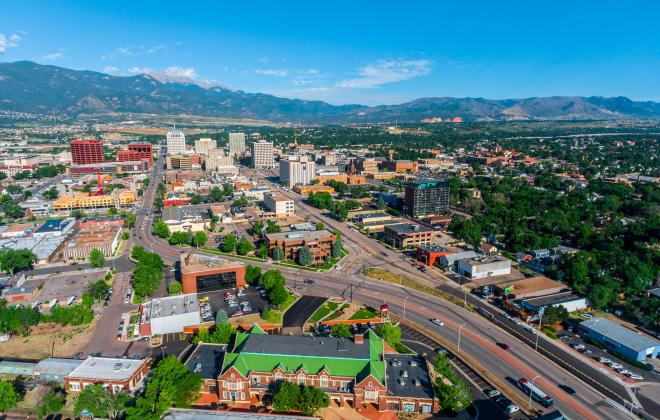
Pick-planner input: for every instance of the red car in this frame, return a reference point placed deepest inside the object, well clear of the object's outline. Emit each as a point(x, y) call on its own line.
point(503, 346)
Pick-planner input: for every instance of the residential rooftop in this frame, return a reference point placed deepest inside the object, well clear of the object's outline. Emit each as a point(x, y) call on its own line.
point(622, 335)
point(108, 368)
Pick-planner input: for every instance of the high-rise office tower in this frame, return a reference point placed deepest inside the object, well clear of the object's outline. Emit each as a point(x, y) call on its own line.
point(297, 170)
point(176, 142)
point(204, 146)
point(262, 154)
point(426, 197)
point(236, 144)
point(85, 152)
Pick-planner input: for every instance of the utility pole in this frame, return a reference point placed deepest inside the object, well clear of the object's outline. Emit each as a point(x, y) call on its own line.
point(541, 312)
point(529, 403)
point(459, 335)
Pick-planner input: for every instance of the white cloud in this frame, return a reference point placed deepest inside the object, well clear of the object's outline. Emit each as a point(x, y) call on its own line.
point(386, 71)
point(111, 69)
point(272, 72)
point(174, 74)
point(53, 56)
point(9, 42)
point(137, 50)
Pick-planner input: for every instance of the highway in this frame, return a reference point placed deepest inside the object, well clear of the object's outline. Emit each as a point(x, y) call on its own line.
point(477, 335)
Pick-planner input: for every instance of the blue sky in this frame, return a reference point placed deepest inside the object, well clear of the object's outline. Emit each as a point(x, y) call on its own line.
point(354, 51)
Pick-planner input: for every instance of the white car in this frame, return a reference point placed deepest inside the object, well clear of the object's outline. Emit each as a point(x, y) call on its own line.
point(438, 322)
point(616, 366)
point(605, 360)
point(511, 409)
point(637, 377)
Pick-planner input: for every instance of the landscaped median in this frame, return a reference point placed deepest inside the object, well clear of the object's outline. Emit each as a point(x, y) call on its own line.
point(387, 276)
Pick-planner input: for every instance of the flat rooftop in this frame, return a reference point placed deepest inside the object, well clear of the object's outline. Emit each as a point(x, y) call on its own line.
point(531, 284)
point(192, 263)
point(308, 346)
point(554, 299)
point(477, 261)
point(304, 235)
point(206, 360)
point(95, 236)
point(622, 335)
point(172, 305)
point(435, 248)
point(408, 228)
point(54, 225)
point(107, 368)
point(277, 196)
point(408, 376)
point(194, 414)
point(201, 212)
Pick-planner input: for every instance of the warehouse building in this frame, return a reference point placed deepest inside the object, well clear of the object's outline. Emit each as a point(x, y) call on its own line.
point(55, 369)
point(450, 261)
point(569, 300)
point(55, 227)
point(619, 339)
point(169, 314)
point(482, 267)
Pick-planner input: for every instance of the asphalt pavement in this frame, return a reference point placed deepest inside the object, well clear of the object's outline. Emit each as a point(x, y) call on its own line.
point(301, 310)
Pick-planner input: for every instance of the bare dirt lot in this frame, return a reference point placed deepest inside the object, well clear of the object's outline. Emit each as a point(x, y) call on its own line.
point(63, 340)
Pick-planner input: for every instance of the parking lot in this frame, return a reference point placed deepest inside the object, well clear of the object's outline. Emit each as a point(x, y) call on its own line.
point(61, 286)
point(623, 370)
point(251, 295)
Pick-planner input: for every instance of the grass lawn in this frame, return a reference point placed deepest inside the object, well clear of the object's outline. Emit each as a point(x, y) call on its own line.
point(332, 261)
point(326, 309)
point(294, 265)
point(364, 313)
point(288, 302)
point(336, 313)
point(385, 275)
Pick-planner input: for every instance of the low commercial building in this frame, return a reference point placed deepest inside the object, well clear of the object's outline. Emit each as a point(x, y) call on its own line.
point(187, 218)
point(205, 273)
point(279, 204)
point(380, 216)
point(377, 227)
point(482, 267)
point(257, 193)
point(125, 167)
point(83, 201)
point(55, 369)
point(617, 338)
point(169, 314)
point(429, 255)
point(569, 300)
point(47, 249)
point(400, 166)
point(105, 238)
point(117, 375)
point(308, 189)
point(17, 230)
point(407, 235)
point(319, 242)
point(529, 287)
point(174, 200)
point(55, 227)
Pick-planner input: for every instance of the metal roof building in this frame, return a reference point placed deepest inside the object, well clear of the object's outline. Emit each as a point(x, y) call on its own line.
point(54, 369)
point(620, 339)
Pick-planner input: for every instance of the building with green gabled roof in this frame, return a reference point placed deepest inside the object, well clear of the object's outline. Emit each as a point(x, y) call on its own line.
point(350, 370)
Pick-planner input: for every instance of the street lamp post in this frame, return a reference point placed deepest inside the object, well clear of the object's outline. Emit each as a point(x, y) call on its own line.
point(529, 403)
point(459, 335)
point(536, 346)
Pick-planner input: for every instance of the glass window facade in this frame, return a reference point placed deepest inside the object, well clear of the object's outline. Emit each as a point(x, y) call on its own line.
point(218, 281)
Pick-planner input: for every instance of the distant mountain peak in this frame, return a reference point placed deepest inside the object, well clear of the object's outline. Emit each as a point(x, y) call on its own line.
point(35, 88)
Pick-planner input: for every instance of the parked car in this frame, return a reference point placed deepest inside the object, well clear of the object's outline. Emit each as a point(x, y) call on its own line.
point(492, 393)
point(237, 314)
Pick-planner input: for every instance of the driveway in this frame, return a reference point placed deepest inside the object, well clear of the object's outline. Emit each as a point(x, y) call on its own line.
point(301, 310)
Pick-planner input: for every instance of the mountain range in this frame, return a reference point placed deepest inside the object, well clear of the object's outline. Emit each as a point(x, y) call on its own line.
point(42, 89)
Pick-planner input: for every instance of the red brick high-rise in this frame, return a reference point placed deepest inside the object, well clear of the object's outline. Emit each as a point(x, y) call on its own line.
point(85, 152)
point(137, 152)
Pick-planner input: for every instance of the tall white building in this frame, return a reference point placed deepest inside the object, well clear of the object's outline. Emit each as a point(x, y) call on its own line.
point(204, 146)
point(176, 142)
point(297, 170)
point(236, 144)
point(262, 154)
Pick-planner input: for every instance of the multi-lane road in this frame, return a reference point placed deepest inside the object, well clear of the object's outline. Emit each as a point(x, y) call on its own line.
point(477, 335)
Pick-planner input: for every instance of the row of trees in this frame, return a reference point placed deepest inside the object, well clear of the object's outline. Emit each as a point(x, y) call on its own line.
point(454, 394)
point(272, 281)
point(293, 397)
point(147, 274)
point(339, 209)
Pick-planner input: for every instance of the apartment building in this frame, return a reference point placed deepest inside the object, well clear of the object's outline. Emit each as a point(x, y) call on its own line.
point(297, 170)
point(279, 204)
point(262, 154)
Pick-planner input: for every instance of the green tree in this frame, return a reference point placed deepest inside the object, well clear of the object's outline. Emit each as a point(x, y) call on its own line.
point(16, 259)
point(278, 253)
point(312, 399)
point(554, 314)
point(12, 210)
point(229, 243)
point(200, 239)
point(146, 279)
point(171, 384)
point(245, 246)
point(305, 256)
point(51, 193)
point(99, 290)
point(336, 249)
point(380, 203)
point(273, 227)
point(271, 315)
point(390, 333)
point(257, 228)
point(78, 214)
point(52, 403)
point(96, 258)
point(161, 229)
point(8, 396)
point(286, 397)
point(263, 251)
point(341, 330)
point(129, 220)
point(101, 403)
point(227, 190)
point(221, 317)
point(112, 211)
point(453, 397)
point(319, 226)
point(181, 238)
point(174, 288)
point(252, 275)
